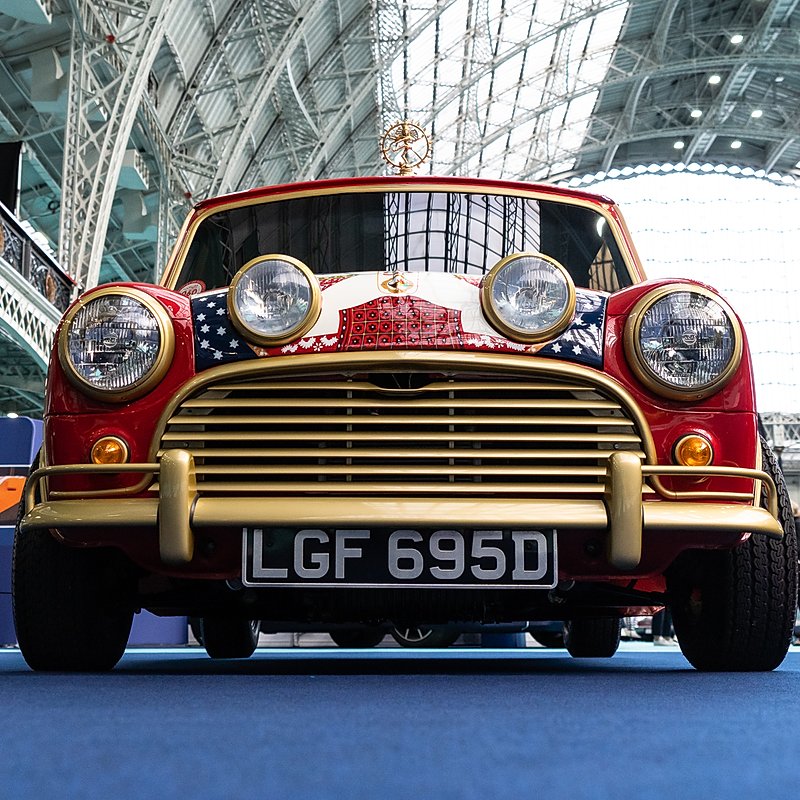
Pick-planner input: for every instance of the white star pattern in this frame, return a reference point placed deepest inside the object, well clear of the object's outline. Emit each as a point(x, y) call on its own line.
point(581, 341)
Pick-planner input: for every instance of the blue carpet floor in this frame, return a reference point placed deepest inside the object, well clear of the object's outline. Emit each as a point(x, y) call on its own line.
point(398, 724)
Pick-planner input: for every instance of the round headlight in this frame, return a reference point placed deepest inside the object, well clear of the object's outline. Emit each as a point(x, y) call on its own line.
point(116, 344)
point(528, 297)
point(683, 341)
point(274, 299)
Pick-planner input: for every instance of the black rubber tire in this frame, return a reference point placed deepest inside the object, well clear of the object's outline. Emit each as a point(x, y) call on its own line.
point(592, 637)
point(359, 638)
point(551, 639)
point(226, 637)
point(417, 636)
point(73, 608)
point(734, 610)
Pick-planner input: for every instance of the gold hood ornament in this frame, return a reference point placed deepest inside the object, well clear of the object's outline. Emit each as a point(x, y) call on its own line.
point(405, 146)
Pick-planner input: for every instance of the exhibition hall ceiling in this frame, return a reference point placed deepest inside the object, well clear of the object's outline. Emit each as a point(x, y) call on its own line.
point(131, 111)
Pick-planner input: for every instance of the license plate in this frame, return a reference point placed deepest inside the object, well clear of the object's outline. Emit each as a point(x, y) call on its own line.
point(417, 558)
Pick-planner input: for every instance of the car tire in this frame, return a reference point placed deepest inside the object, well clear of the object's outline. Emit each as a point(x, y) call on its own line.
point(424, 637)
point(359, 638)
point(73, 608)
point(551, 639)
point(229, 637)
point(734, 610)
point(592, 637)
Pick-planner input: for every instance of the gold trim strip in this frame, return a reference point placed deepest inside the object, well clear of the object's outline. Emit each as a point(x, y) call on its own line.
point(399, 419)
point(322, 454)
point(487, 386)
point(411, 402)
point(389, 436)
point(701, 472)
point(78, 469)
point(411, 488)
point(467, 470)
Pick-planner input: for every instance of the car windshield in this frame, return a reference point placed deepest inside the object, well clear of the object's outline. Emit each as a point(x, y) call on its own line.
point(405, 231)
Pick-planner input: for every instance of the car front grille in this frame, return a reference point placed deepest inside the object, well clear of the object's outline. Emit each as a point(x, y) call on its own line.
point(405, 434)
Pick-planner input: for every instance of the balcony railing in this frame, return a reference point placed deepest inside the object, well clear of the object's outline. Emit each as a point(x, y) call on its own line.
point(33, 263)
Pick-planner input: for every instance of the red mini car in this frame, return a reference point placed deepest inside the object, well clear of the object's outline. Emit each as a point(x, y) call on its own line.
point(365, 404)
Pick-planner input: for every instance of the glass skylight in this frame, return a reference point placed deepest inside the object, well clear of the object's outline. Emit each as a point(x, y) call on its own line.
point(506, 89)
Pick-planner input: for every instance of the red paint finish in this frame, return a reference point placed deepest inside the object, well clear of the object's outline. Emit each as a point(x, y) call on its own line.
point(73, 421)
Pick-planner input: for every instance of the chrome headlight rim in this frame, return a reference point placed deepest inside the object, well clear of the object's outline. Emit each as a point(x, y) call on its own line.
point(639, 365)
point(514, 332)
point(298, 330)
point(146, 382)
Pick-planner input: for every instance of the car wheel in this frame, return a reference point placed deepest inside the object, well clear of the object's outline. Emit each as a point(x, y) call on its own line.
point(73, 608)
point(358, 637)
point(734, 610)
point(592, 637)
point(548, 638)
point(229, 637)
point(425, 637)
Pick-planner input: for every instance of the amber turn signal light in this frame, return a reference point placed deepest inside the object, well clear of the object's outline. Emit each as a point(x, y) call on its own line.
point(694, 451)
point(109, 450)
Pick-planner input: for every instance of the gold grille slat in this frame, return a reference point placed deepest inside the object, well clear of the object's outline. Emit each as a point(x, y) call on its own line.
point(397, 436)
point(362, 386)
point(413, 402)
point(397, 469)
point(325, 419)
point(323, 453)
point(384, 488)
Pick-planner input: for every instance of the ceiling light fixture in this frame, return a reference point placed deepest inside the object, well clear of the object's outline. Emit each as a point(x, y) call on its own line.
point(714, 79)
point(679, 145)
point(735, 144)
point(756, 113)
point(696, 113)
point(737, 38)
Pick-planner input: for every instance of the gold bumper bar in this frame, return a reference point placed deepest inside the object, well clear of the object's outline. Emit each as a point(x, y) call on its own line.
point(179, 509)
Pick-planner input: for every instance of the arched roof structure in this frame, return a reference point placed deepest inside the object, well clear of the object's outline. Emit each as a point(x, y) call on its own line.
point(128, 112)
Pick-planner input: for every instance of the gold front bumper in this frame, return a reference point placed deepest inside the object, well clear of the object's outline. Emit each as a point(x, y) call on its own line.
point(179, 509)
